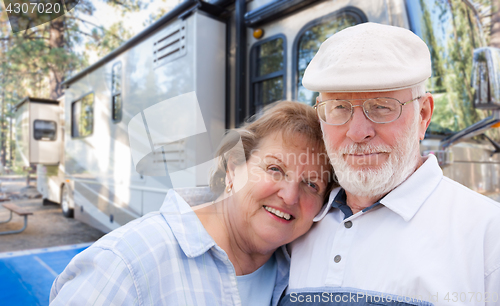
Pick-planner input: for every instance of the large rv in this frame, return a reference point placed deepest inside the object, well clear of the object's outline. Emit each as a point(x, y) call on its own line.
point(233, 58)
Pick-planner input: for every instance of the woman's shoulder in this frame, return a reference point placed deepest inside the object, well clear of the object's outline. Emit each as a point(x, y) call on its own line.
point(146, 231)
point(145, 228)
point(123, 257)
point(172, 227)
point(138, 235)
point(146, 251)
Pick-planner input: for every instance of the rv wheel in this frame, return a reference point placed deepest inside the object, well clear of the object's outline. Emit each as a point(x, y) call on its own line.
point(67, 211)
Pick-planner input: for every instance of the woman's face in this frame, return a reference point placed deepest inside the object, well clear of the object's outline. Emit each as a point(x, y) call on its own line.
point(277, 193)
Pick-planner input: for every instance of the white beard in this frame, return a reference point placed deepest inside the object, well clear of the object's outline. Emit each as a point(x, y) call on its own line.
point(401, 163)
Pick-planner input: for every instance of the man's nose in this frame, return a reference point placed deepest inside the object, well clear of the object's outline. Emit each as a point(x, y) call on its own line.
point(360, 127)
point(289, 191)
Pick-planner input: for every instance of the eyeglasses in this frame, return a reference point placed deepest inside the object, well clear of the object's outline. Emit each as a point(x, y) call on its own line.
point(378, 110)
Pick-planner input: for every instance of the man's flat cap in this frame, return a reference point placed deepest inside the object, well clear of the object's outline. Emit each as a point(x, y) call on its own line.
point(369, 57)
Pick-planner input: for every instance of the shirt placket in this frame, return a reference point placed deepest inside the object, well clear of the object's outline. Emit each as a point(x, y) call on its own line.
point(340, 250)
point(229, 284)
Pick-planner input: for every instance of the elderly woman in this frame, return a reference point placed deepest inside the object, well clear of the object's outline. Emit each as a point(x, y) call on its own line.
point(226, 252)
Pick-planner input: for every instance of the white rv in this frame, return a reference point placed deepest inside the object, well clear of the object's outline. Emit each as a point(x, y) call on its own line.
point(37, 138)
point(237, 56)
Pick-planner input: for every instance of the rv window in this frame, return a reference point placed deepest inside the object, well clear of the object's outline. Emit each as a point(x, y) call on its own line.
point(116, 92)
point(269, 91)
point(451, 31)
point(313, 35)
point(268, 72)
point(82, 112)
point(44, 130)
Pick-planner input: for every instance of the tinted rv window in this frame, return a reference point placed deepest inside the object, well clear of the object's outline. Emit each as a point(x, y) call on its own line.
point(44, 130)
point(311, 38)
point(452, 31)
point(268, 72)
point(82, 112)
point(116, 92)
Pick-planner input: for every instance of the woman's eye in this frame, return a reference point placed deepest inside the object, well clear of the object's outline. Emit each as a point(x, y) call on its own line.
point(274, 168)
point(313, 185)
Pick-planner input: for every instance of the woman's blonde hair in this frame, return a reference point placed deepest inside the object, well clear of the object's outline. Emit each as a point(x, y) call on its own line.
point(288, 118)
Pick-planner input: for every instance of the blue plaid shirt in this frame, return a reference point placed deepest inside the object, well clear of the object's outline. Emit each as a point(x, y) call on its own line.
point(164, 258)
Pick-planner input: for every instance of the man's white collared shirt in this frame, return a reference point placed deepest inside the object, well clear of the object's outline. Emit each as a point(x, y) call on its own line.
point(431, 241)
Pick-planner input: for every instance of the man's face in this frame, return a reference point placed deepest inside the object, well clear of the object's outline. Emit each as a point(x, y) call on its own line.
point(370, 159)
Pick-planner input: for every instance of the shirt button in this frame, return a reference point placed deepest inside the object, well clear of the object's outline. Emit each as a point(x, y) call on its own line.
point(348, 224)
point(337, 258)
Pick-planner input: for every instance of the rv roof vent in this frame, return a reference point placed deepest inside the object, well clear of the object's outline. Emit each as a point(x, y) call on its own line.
point(169, 44)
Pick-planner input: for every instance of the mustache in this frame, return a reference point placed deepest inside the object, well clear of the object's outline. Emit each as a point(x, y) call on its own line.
point(363, 148)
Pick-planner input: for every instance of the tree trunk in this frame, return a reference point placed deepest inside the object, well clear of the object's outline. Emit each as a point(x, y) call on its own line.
point(56, 41)
point(495, 24)
point(11, 157)
point(3, 150)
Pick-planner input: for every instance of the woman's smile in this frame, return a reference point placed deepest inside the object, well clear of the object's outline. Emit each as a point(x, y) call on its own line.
point(279, 213)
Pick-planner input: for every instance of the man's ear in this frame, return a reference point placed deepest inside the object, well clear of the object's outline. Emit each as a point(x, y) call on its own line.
point(318, 98)
point(426, 110)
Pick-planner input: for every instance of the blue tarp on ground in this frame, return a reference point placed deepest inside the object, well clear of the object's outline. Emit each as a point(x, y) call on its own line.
point(27, 276)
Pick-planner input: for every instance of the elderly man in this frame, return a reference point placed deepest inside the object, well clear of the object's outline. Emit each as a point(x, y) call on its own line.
point(398, 232)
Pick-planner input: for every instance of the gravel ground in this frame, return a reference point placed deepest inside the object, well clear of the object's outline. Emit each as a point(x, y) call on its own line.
point(47, 227)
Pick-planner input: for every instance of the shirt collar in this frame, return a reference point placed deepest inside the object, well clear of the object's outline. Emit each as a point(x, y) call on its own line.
point(405, 200)
point(326, 208)
point(340, 202)
point(187, 229)
point(408, 197)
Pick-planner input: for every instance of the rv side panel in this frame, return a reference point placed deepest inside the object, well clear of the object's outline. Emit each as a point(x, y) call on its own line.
point(108, 191)
point(45, 136)
point(22, 136)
